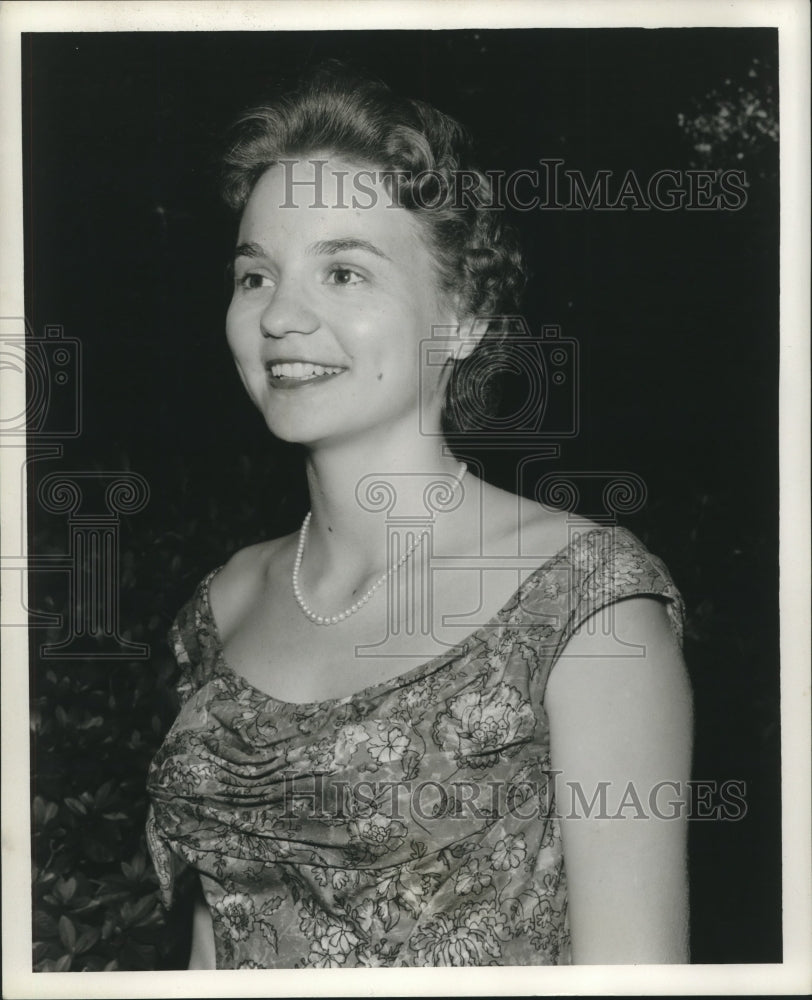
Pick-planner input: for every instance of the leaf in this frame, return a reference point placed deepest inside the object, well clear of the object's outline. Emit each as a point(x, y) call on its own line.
point(143, 908)
point(87, 939)
point(40, 950)
point(63, 964)
point(271, 904)
point(87, 907)
point(389, 913)
point(64, 889)
point(269, 933)
point(410, 763)
point(38, 810)
point(75, 806)
point(418, 849)
point(67, 932)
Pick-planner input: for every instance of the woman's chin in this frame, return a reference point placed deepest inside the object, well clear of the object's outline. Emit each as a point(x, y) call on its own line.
point(376, 430)
point(308, 436)
point(290, 435)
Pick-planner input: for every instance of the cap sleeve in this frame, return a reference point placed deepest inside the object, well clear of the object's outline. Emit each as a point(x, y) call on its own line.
point(610, 565)
point(193, 640)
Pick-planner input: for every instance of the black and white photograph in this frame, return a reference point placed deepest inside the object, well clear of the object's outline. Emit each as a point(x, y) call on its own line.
point(405, 499)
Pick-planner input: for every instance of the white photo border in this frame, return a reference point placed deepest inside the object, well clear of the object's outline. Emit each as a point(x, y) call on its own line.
point(794, 974)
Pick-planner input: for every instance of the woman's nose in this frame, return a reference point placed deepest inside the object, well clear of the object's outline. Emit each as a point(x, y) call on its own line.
point(287, 312)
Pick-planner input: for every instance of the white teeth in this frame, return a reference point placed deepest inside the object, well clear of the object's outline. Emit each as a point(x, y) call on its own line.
point(301, 370)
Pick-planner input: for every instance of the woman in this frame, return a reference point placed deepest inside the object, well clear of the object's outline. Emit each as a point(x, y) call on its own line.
point(375, 762)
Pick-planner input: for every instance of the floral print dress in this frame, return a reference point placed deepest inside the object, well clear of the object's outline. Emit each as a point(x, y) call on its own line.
point(409, 824)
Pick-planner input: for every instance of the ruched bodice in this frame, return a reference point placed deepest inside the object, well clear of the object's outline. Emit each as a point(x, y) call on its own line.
point(409, 824)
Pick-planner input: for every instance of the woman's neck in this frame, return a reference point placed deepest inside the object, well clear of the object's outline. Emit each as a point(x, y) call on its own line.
point(354, 490)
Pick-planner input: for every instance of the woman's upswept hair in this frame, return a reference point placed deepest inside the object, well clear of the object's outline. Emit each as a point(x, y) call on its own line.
point(423, 154)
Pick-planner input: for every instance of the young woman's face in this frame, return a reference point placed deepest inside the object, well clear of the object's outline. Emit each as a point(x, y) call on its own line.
point(330, 305)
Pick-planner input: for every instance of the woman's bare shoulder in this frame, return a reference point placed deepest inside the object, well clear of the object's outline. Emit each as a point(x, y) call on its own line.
point(243, 576)
point(527, 526)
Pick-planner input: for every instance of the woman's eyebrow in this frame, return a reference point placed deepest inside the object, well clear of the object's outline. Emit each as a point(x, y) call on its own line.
point(248, 250)
point(320, 248)
point(342, 245)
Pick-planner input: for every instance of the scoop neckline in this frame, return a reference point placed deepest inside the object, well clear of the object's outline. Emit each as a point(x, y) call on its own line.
point(399, 680)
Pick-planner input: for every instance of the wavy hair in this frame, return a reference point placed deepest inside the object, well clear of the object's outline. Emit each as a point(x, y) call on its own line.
point(423, 154)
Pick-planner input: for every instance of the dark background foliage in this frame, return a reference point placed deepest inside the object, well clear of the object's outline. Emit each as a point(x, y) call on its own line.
point(676, 315)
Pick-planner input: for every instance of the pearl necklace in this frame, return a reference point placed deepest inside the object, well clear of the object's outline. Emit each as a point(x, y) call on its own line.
point(318, 619)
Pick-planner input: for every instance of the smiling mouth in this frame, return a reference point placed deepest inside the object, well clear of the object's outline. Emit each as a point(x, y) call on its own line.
point(291, 374)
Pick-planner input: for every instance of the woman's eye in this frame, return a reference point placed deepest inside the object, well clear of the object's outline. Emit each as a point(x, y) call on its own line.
point(253, 280)
point(344, 276)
